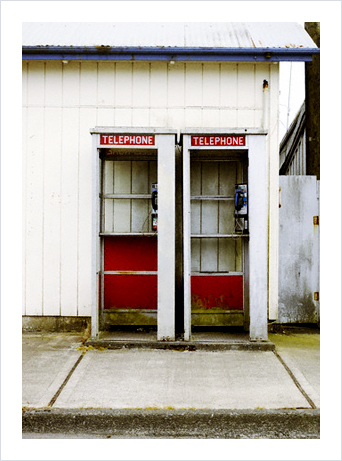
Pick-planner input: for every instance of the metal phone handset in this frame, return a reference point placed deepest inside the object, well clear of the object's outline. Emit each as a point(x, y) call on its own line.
point(154, 213)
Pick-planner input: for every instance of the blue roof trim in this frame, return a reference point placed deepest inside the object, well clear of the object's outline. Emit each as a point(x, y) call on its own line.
point(104, 53)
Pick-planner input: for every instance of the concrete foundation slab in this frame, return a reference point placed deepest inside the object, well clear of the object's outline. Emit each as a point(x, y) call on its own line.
point(47, 360)
point(301, 353)
point(180, 380)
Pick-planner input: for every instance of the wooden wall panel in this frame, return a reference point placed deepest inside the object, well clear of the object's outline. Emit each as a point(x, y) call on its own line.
point(36, 84)
point(124, 84)
point(122, 185)
point(34, 212)
point(140, 177)
point(88, 84)
point(123, 117)
point(106, 116)
point(87, 120)
point(228, 118)
point(141, 212)
point(262, 72)
point(106, 84)
point(175, 85)
point(71, 84)
point(61, 102)
point(194, 85)
point(245, 118)
point(158, 85)
point(52, 211)
point(69, 211)
point(246, 86)
point(141, 85)
point(24, 86)
point(193, 117)
point(229, 82)
point(53, 84)
point(211, 118)
point(211, 85)
point(141, 117)
point(159, 117)
point(176, 117)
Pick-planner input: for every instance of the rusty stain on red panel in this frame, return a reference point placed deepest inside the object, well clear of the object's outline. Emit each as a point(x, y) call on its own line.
point(223, 292)
point(130, 254)
point(130, 291)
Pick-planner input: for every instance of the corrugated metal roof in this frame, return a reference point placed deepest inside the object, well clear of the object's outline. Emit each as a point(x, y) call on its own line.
point(282, 35)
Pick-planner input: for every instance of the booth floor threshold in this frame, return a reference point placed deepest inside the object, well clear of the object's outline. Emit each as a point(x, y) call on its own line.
point(199, 341)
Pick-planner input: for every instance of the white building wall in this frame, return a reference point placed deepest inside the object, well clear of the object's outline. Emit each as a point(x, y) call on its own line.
point(61, 102)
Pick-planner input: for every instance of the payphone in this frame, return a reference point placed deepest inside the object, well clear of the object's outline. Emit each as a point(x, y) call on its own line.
point(241, 209)
point(154, 213)
point(133, 259)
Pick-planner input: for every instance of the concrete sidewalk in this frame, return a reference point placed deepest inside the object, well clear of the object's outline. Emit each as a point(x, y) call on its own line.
point(61, 376)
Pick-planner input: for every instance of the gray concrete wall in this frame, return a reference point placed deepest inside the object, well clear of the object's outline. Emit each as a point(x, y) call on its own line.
point(56, 323)
point(298, 250)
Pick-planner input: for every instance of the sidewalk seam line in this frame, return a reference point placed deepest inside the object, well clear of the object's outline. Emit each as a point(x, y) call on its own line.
point(55, 397)
point(294, 379)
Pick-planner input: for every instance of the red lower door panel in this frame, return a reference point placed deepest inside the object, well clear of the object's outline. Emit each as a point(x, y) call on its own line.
point(223, 292)
point(134, 290)
point(130, 254)
point(130, 291)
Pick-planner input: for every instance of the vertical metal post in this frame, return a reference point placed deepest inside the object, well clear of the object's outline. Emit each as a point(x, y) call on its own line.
point(187, 238)
point(258, 221)
point(317, 253)
point(96, 250)
point(166, 236)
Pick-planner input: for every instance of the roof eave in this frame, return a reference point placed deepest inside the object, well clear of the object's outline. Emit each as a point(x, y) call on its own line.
point(107, 53)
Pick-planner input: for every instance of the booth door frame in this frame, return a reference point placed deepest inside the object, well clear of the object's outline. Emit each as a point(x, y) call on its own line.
point(258, 219)
point(165, 147)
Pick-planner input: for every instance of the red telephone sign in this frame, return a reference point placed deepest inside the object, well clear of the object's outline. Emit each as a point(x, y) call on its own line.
point(127, 140)
point(218, 141)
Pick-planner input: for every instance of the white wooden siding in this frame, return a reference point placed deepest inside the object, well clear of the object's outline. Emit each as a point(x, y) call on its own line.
point(61, 102)
point(128, 177)
point(214, 217)
point(297, 165)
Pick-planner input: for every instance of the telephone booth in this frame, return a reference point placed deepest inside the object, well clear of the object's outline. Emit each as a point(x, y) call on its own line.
point(133, 229)
point(225, 217)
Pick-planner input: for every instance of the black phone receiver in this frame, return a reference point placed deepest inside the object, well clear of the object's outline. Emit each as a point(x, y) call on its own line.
point(238, 199)
point(155, 200)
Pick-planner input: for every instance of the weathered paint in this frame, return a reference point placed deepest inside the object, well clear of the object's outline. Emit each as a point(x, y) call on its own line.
point(298, 250)
point(217, 318)
point(224, 292)
point(229, 40)
point(128, 317)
